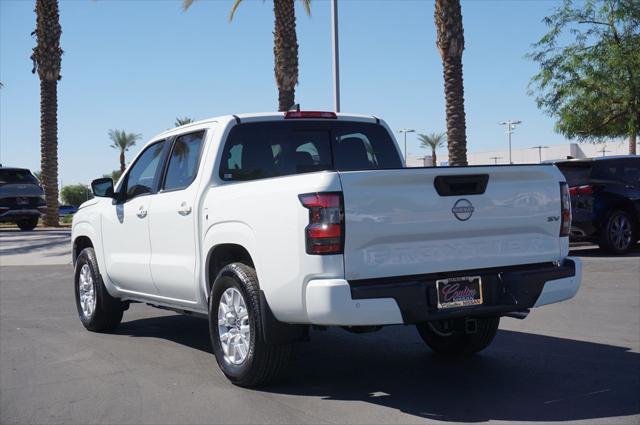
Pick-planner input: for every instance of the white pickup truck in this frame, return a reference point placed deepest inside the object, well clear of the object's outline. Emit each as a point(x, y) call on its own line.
point(269, 224)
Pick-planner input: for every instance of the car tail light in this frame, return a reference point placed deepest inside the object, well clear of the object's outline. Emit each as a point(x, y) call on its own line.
point(581, 190)
point(310, 114)
point(565, 210)
point(325, 232)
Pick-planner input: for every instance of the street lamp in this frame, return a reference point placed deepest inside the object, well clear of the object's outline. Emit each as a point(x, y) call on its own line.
point(495, 159)
point(336, 55)
point(405, 131)
point(511, 125)
point(540, 151)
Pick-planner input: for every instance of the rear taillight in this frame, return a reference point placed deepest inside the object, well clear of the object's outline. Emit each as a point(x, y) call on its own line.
point(565, 210)
point(325, 232)
point(581, 190)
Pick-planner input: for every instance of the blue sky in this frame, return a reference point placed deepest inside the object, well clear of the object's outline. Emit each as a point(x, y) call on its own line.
point(137, 65)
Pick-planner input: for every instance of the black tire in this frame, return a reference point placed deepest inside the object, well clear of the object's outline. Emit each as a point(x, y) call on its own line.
point(263, 363)
point(454, 341)
point(107, 312)
point(28, 224)
point(618, 233)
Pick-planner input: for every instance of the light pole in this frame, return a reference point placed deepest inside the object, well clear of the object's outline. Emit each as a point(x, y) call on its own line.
point(405, 131)
point(540, 151)
point(495, 159)
point(336, 55)
point(511, 125)
point(604, 150)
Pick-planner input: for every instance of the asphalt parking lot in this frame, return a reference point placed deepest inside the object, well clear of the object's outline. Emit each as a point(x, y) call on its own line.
point(575, 361)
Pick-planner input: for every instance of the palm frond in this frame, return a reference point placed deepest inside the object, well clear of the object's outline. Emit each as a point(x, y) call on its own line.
point(123, 140)
point(432, 140)
point(235, 5)
point(182, 121)
point(307, 6)
point(186, 4)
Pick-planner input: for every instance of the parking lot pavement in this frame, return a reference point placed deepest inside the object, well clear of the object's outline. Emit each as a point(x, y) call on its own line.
point(37, 247)
point(576, 361)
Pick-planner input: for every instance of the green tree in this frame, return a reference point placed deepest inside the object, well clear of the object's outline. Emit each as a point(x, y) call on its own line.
point(123, 141)
point(285, 47)
point(432, 141)
point(450, 42)
point(75, 194)
point(182, 121)
point(47, 60)
point(589, 77)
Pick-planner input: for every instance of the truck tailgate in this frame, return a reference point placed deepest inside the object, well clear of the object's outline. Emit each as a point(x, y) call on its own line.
point(398, 223)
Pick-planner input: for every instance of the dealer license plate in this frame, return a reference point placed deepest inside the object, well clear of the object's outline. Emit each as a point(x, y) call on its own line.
point(459, 292)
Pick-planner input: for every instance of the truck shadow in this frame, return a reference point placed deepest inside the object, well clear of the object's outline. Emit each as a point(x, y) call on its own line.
point(521, 377)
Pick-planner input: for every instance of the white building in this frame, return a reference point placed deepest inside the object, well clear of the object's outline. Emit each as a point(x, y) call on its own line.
point(547, 153)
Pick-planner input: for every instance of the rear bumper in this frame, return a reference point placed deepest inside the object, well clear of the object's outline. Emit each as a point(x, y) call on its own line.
point(18, 214)
point(413, 299)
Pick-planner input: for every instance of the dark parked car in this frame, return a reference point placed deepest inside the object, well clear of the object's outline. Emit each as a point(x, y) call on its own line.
point(67, 210)
point(605, 201)
point(21, 197)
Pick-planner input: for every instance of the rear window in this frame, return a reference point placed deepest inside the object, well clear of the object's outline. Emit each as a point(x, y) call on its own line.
point(576, 174)
point(17, 177)
point(272, 149)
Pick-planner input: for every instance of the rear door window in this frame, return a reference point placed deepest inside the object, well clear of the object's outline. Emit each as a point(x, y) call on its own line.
point(183, 161)
point(280, 148)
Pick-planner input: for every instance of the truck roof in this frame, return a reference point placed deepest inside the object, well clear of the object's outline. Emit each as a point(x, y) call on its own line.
point(260, 116)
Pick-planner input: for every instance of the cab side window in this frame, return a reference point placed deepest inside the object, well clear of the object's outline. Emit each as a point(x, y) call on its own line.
point(184, 160)
point(143, 174)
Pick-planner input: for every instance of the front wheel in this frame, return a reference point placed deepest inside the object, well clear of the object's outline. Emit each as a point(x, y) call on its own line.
point(456, 338)
point(98, 311)
point(235, 327)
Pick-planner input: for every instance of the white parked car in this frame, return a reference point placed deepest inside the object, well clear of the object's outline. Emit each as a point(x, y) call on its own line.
point(270, 223)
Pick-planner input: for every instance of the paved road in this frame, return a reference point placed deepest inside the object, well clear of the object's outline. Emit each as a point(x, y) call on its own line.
point(578, 361)
point(40, 246)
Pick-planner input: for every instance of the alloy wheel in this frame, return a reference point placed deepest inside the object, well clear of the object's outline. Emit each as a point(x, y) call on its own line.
point(86, 291)
point(234, 330)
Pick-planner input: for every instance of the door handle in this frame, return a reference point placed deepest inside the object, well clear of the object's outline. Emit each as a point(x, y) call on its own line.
point(142, 212)
point(184, 209)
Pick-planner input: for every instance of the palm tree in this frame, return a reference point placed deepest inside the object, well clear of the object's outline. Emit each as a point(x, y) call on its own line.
point(47, 60)
point(123, 141)
point(285, 47)
point(450, 42)
point(182, 121)
point(433, 141)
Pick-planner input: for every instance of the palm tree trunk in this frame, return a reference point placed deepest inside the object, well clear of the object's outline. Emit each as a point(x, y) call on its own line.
point(632, 144)
point(433, 157)
point(122, 165)
point(285, 50)
point(46, 58)
point(49, 148)
point(456, 125)
point(450, 42)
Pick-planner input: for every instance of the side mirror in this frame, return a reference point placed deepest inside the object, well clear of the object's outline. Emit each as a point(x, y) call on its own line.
point(103, 187)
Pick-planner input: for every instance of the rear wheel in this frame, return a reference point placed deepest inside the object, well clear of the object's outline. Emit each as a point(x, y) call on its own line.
point(456, 337)
point(235, 327)
point(28, 224)
point(618, 232)
point(98, 311)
